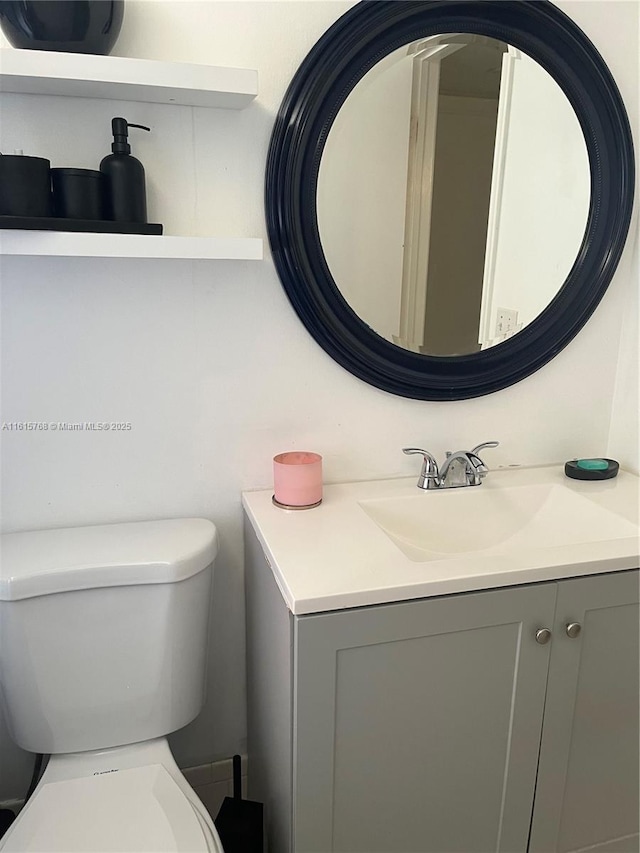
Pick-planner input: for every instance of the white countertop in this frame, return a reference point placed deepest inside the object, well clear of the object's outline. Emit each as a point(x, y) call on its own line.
point(334, 556)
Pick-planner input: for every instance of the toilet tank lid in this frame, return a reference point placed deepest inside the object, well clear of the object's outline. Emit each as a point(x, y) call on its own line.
point(42, 562)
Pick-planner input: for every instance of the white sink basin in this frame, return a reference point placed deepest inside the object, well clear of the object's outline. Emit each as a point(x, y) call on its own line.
point(435, 525)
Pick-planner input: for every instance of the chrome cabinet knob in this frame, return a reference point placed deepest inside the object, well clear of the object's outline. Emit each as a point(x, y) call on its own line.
point(573, 629)
point(543, 635)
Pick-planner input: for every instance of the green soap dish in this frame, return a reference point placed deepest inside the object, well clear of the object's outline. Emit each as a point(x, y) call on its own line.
point(591, 469)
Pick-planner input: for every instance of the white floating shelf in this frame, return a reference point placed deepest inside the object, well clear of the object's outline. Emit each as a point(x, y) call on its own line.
point(40, 72)
point(65, 244)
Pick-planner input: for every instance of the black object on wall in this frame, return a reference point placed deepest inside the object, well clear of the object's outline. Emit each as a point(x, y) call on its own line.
point(94, 226)
point(70, 26)
point(363, 36)
point(25, 186)
point(77, 193)
point(125, 193)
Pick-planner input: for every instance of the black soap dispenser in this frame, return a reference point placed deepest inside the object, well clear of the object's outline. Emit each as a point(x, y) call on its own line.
point(125, 195)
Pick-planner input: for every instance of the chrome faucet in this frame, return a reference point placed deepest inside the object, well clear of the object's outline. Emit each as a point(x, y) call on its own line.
point(462, 468)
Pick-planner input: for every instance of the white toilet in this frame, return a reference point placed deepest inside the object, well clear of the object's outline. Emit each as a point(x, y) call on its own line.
point(103, 647)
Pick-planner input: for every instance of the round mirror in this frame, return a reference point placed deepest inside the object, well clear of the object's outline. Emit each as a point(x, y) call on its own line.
point(449, 189)
point(449, 164)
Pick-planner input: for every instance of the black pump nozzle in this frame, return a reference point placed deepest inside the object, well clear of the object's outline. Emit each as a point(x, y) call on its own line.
point(120, 129)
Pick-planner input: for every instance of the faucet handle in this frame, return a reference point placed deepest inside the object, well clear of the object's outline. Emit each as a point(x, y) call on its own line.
point(479, 469)
point(429, 459)
point(482, 446)
point(430, 475)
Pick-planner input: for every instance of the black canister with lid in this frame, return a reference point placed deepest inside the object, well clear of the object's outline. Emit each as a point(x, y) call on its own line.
point(25, 186)
point(77, 193)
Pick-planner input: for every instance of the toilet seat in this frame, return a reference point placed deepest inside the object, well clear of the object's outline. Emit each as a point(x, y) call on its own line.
point(137, 810)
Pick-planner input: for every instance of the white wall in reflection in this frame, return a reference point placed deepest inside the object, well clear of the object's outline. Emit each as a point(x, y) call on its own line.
point(362, 189)
point(540, 195)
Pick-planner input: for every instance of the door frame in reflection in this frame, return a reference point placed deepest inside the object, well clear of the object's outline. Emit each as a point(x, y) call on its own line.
point(431, 311)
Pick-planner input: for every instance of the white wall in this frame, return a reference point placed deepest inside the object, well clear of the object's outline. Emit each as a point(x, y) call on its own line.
point(624, 434)
point(209, 362)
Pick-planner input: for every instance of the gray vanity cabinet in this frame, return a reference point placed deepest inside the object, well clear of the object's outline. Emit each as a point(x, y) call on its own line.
point(418, 724)
point(587, 791)
point(444, 725)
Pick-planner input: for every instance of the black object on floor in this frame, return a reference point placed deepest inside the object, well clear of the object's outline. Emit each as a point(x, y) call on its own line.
point(239, 822)
point(7, 817)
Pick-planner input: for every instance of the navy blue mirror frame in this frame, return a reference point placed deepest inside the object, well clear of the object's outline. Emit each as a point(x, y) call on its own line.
point(354, 44)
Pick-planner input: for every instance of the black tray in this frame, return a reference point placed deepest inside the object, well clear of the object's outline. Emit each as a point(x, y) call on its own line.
point(97, 226)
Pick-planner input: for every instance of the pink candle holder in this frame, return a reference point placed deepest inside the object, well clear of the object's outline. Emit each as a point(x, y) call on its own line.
point(297, 480)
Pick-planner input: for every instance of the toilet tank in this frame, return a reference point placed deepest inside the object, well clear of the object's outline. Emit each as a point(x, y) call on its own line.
point(103, 632)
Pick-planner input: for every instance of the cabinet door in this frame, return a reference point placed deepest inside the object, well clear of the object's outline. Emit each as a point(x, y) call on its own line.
point(587, 792)
point(417, 725)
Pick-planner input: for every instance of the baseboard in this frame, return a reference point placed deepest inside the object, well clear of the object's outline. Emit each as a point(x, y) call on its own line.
point(211, 782)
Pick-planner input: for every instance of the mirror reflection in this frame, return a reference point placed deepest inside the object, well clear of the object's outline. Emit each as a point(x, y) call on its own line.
point(453, 194)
